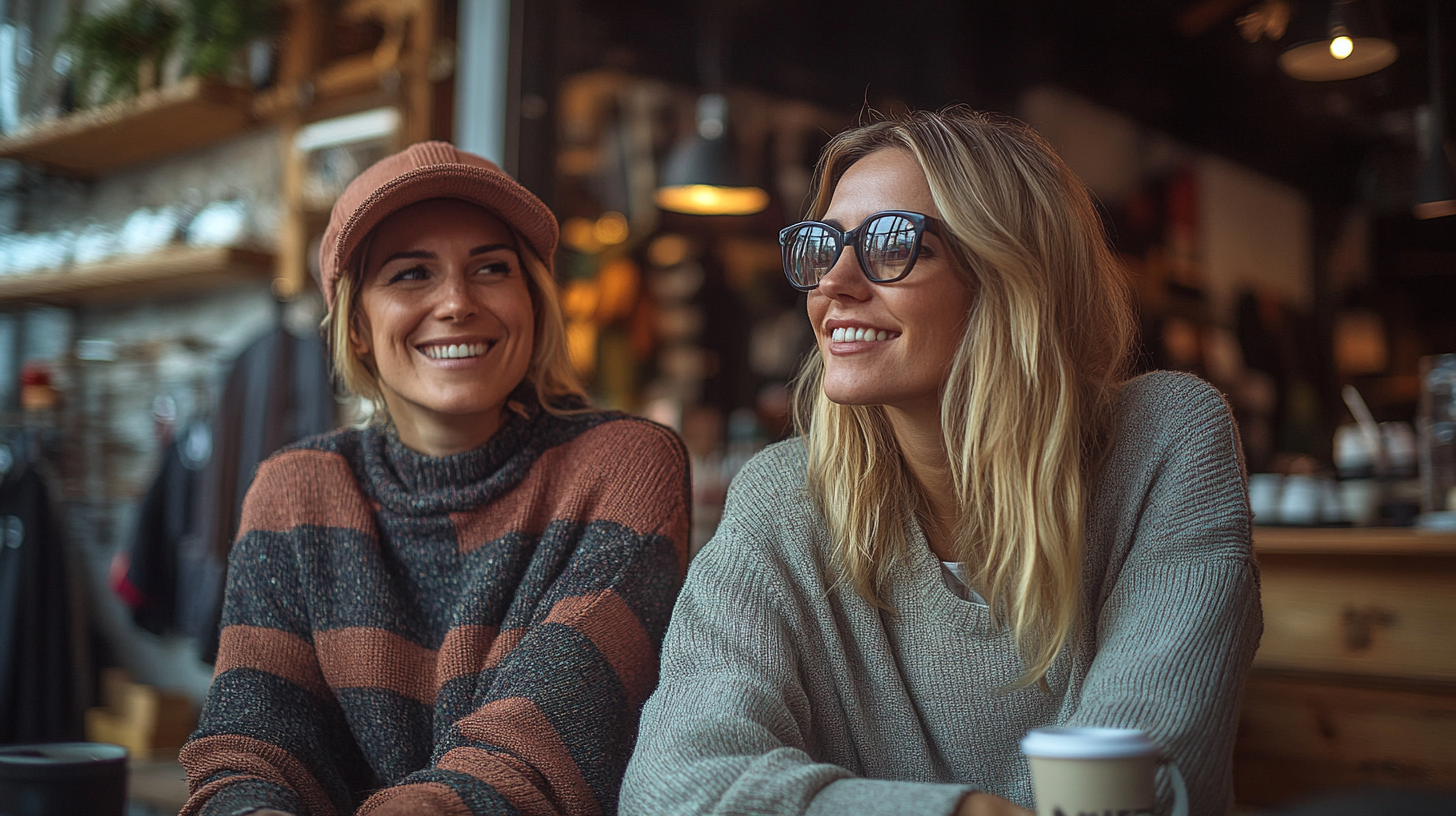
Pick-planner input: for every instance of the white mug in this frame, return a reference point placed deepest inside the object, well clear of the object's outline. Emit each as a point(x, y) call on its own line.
point(1300, 502)
point(1265, 491)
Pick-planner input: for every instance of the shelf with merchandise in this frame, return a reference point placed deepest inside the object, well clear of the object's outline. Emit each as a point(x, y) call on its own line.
point(167, 272)
point(174, 119)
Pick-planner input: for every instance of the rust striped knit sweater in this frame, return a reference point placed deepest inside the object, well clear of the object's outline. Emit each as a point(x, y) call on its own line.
point(462, 635)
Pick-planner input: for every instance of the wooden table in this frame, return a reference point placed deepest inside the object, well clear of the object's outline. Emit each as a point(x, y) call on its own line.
point(1355, 679)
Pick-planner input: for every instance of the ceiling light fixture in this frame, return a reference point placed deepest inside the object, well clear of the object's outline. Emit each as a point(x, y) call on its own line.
point(701, 176)
point(1342, 43)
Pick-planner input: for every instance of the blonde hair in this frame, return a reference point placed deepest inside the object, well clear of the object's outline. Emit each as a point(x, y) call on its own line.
point(550, 371)
point(1027, 405)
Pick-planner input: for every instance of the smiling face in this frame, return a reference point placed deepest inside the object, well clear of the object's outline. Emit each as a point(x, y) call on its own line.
point(446, 319)
point(888, 344)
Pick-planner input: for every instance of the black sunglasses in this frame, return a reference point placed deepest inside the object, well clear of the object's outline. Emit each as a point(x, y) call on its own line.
point(886, 245)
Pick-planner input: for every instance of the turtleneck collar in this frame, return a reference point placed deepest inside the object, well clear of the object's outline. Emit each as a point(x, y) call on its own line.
point(415, 484)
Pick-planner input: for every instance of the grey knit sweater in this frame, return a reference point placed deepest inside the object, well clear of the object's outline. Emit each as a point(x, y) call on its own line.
point(783, 692)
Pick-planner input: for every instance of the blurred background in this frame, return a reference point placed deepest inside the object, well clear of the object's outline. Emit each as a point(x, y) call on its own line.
point(1275, 175)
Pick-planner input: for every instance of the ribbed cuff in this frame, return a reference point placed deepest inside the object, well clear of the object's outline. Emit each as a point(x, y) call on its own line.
point(882, 797)
point(246, 796)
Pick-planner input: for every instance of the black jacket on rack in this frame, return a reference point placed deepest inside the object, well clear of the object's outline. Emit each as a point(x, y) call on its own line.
point(169, 579)
point(279, 391)
point(37, 668)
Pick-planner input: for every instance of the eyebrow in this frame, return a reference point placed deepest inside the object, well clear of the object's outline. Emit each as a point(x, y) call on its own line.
point(424, 254)
point(484, 248)
point(412, 253)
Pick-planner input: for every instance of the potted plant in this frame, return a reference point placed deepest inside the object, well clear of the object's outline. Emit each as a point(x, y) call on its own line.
point(229, 38)
point(117, 53)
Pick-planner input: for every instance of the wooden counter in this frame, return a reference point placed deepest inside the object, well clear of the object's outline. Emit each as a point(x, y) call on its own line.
point(1355, 679)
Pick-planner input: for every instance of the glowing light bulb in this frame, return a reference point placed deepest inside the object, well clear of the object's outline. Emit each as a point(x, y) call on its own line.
point(1341, 47)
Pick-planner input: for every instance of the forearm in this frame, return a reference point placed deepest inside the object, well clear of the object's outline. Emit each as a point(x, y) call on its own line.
point(725, 732)
point(271, 733)
point(223, 796)
point(552, 724)
point(298, 758)
point(1176, 669)
point(732, 777)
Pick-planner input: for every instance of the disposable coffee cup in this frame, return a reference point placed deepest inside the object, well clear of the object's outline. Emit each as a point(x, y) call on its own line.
point(1097, 772)
point(63, 779)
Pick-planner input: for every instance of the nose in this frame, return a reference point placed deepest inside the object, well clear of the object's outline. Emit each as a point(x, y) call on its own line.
point(845, 280)
point(457, 299)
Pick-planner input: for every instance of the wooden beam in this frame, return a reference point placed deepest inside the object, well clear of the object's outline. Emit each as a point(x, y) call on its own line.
point(296, 68)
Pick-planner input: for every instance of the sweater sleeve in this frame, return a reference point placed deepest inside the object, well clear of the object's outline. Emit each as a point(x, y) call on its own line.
point(1178, 627)
point(730, 728)
point(271, 733)
point(555, 722)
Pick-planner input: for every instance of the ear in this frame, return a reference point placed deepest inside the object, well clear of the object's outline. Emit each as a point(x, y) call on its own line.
point(359, 341)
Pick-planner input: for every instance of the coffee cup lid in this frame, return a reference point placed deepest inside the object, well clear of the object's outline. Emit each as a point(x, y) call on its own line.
point(1087, 743)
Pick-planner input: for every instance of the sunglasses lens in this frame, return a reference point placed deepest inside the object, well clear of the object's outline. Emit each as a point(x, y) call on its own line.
point(809, 253)
point(890, 243)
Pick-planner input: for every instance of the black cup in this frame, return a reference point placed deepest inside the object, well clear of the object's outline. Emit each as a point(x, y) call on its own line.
point(63, 779)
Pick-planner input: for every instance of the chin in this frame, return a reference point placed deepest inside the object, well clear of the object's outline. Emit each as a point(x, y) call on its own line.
point(851, 394)
point(466, 407)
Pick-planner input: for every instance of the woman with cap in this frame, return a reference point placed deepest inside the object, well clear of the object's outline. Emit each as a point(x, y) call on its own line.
point(982, 527)
point(456, 609)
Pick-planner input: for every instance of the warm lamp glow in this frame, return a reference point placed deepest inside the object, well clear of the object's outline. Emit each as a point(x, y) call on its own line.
point(707, 199)
point(1435, 209)
point(1318, 62)
point(1335, 39)
point(611, 229)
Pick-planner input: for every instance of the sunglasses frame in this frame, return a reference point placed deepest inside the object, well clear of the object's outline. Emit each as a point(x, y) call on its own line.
point(854, 237)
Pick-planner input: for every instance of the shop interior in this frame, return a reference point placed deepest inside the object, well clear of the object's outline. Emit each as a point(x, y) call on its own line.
point(167, 169)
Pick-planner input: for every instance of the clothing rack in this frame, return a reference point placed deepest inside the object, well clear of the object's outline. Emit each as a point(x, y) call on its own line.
point(27, 437)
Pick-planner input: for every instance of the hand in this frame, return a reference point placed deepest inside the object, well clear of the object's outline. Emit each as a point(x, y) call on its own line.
point(985, 804)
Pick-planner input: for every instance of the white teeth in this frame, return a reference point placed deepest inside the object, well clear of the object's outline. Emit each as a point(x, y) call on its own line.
point(455, 351)
point(846, 335)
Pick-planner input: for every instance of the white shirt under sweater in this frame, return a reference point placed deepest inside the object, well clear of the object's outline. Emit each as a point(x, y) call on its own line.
point(951, 572)
point(783, 692)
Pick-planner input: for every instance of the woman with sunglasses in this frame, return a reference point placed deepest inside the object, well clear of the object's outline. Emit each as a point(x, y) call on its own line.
point(981, 528)
point(457, 609)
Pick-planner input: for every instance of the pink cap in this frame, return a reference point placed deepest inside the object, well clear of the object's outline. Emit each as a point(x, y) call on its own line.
point(420, 172)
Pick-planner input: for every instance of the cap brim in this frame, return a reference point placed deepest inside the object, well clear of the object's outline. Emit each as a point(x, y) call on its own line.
point(493, 191)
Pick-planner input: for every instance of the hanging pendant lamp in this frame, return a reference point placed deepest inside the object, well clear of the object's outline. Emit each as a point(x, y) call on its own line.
point(701, 176)
point(1436, 185)
point(1338, 41)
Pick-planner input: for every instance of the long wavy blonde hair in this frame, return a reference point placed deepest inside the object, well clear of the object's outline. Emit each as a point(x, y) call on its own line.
point(550, 371)
point(1026, 409)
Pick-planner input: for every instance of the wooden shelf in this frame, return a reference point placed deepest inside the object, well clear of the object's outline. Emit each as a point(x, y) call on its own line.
point(172, 271)
point(191, 114)
point(1353, 541)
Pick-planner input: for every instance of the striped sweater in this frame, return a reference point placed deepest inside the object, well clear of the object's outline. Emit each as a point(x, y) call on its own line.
point(460, 635)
